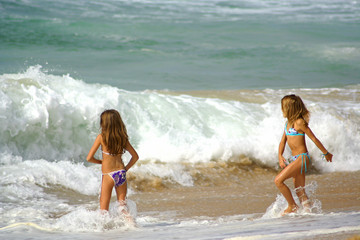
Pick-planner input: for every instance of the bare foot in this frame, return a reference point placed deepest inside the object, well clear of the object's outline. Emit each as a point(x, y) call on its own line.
point(290, 209)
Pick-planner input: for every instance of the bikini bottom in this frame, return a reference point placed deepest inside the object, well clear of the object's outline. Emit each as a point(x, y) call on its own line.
point(119, 177)
point(303, 160)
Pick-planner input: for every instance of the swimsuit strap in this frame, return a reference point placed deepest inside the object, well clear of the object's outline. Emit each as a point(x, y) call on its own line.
point(304, 155)
point(109, 153)
point(121, 170)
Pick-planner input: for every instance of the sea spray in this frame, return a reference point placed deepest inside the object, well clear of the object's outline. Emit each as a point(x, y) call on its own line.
point(276, 209)
point(85, 220)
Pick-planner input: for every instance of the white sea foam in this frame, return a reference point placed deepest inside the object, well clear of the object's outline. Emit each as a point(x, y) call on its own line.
point(84, 220)
point(55, 195)
point(74, 176)
point(276, 209)
point(57, 117)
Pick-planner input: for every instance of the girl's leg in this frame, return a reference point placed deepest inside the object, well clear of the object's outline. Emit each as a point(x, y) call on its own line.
point(121, 192)
point(106, 190)
point(292, 170)
point(300, 192)
point(299, 184)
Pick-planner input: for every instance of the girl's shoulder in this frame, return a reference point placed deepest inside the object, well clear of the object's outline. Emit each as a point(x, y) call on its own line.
point(300, 122)
point(99, 138)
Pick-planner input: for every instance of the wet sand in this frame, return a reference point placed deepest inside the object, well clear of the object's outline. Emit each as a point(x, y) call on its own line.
point(254, 194)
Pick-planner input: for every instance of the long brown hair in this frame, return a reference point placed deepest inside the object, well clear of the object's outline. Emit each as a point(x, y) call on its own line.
point(113, 131)
point(294, 108)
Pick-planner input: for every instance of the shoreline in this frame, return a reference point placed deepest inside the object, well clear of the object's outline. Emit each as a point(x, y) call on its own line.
point(335, 191)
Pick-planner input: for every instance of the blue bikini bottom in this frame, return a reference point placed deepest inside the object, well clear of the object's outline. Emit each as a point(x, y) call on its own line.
point(303, 160)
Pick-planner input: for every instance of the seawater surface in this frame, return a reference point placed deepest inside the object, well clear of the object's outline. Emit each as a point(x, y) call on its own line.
point(210, 149)
point(186, 45)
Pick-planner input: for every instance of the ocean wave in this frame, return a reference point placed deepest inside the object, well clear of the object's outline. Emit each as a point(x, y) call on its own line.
point(51, 117)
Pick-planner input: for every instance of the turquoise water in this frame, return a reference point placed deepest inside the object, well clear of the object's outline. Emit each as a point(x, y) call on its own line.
point(186, 45)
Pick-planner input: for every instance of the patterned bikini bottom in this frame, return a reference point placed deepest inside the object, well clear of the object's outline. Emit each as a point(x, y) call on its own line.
point(118, 176)
point(303, 160)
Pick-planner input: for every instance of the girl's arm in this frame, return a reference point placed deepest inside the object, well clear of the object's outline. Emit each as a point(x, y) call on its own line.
point(282, 144)
point(94, 148)
point(134, 156)
point(328, 156)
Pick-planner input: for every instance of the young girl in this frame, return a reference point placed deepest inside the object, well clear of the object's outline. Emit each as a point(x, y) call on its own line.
point(114, 141)
point(296, 127)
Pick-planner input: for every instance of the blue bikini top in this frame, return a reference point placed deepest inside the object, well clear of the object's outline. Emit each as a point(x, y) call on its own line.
point(292, 132)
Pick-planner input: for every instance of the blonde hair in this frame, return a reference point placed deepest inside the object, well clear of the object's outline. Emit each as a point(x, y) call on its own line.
point(294, 108)
point(113, 131)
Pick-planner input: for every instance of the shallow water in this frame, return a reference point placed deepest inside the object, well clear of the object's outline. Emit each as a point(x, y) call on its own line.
point(249, 207)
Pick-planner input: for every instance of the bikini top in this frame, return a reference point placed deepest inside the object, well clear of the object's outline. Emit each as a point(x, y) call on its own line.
point(292, 132)
point(112, 154)
point(109, 153)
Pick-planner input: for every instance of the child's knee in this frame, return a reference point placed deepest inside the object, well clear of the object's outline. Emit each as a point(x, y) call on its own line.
point(278, 182)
